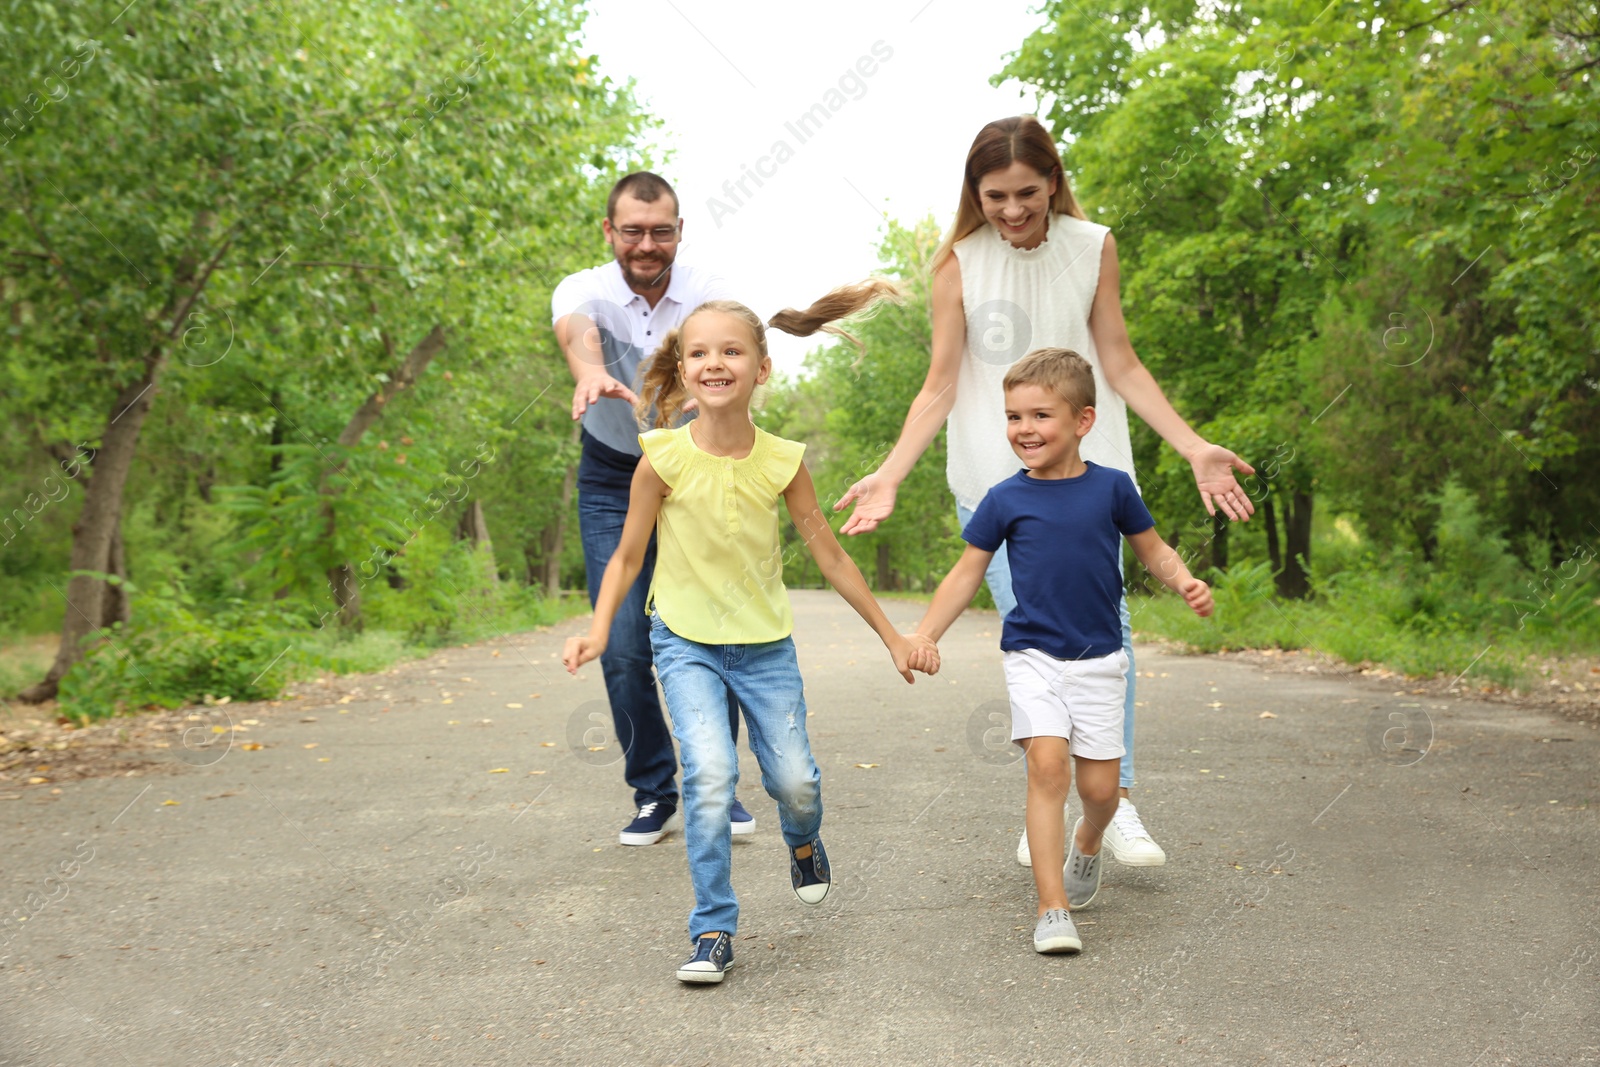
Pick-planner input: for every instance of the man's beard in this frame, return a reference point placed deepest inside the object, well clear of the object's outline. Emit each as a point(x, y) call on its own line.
point(646, 274)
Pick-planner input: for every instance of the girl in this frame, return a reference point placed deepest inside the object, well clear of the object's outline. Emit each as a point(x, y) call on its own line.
point(720, 616)
point(1032, 272)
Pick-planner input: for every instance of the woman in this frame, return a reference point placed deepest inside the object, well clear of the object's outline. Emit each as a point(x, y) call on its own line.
point(1022, 269)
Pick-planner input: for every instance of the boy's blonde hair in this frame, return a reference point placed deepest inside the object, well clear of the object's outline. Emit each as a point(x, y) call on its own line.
point(1060, 370)
point(661, 389)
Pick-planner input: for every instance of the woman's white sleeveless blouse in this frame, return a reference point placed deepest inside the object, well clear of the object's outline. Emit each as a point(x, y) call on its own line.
point(1016, 300)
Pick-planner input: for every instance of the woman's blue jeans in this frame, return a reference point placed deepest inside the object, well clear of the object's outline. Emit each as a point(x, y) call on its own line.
point(998, 577)
point(765, 678)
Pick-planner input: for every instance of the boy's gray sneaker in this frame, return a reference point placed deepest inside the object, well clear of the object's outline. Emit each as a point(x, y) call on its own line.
point(1055, 933)
point(1081, 873)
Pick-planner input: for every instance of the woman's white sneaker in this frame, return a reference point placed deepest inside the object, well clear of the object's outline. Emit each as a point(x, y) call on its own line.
point(1130, 843)
point(1024, 856)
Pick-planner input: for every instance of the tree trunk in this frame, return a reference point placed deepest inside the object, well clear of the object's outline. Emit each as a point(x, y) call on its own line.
point(1219, 541)
point(343, 581)
point(1274, 553)
point(885, 572)
point(475, 528)
point(116, 605)
point(1294, 580)
point(96, 537)
point(99, 523)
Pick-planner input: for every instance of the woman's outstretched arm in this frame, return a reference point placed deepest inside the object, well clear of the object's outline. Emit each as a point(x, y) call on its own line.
point(874, 495)
point(1213, 464)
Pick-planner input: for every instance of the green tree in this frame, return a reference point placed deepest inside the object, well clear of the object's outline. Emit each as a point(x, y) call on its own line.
point(341, 190)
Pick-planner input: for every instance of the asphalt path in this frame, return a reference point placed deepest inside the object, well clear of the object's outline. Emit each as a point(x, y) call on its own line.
point(422, 867)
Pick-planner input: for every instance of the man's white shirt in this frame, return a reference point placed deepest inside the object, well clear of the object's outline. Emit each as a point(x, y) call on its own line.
point(630, 332)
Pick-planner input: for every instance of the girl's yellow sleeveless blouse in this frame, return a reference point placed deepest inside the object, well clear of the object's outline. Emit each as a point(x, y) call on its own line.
point(719, 558)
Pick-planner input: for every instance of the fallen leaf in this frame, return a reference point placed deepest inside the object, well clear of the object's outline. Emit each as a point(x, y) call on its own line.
point(170, 803)
point(513, 705)
point(447, 700)
point(37, 781)
point(1266, 715)
point(345, 699)
point(500, 770)
point(1215, 704)
point(219, 729)
point(1205, 770)
point(597, 748)
point(251, 722)
point(252, 746)
point(536, 772)
point(309, 744)
point(866, 766)
point(535, 696)
point(324, 759)
point(547, 744)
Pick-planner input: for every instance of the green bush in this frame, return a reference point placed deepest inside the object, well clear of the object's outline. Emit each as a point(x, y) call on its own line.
point(1474, 606)
point(175, 653)
point(172, 656)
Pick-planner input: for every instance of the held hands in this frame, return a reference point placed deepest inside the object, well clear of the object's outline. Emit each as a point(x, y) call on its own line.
point(580, 650)
point(874, 496)
point(914, 652)
point(1197, 595)
point(1213, 474)
point(925, 653)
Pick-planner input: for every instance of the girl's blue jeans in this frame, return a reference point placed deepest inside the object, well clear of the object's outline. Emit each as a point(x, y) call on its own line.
point(765, 678)
point(998, 577)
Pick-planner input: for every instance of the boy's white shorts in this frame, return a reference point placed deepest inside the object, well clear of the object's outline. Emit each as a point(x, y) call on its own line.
point(1078, 699)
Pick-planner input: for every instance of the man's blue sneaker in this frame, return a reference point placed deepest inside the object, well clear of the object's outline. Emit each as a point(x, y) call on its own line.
point(742, 821)
point(810, 876)
point(713, 954)
point(650, 824)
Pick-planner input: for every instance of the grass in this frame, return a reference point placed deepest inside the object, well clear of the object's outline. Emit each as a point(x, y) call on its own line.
point(305, 654)
point(1372, 621)
point(24, 660)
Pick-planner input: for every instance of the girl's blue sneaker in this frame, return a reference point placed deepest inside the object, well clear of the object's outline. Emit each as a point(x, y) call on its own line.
point(810, 876)
point(713, 955)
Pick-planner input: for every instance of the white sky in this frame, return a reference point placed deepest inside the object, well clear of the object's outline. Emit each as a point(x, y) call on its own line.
point(724, 77)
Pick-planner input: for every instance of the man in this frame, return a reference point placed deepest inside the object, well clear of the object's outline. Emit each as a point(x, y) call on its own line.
point(607, 320)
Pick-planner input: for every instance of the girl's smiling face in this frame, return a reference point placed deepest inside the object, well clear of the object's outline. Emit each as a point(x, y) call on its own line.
point(722, 362)
point(1016, 201)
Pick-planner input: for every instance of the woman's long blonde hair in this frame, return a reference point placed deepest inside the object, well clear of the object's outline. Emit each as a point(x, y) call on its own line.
point(661, 385)
point(997, 146)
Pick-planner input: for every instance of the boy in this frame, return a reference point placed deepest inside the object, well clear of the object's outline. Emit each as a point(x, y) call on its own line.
point(1065, 669)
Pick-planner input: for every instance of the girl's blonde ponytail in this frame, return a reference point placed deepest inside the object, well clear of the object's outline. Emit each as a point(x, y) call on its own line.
point(660, 385)
point(841, 303)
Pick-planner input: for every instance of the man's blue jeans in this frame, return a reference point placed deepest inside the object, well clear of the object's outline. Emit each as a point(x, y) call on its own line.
point(765, 678)
point(648, 761)
point(998, 577)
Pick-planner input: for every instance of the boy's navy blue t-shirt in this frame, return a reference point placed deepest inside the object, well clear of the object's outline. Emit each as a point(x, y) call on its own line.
point(1063, 539)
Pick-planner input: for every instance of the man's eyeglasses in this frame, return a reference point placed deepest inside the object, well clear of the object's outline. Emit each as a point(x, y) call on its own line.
point(661, 235)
